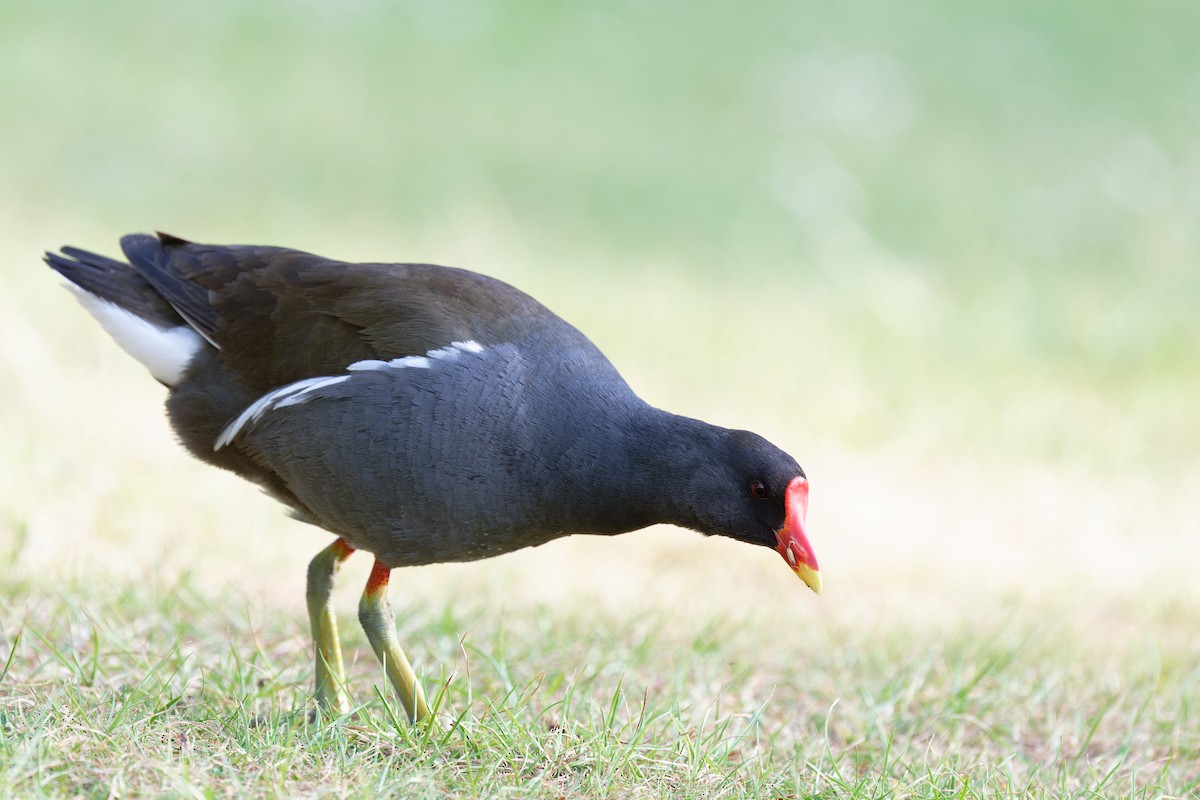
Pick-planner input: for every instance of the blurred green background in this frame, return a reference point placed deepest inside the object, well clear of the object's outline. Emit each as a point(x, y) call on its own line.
point(952, 234)
point(985, 213)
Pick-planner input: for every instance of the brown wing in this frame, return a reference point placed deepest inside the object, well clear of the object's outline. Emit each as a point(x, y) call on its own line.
point(279, 315)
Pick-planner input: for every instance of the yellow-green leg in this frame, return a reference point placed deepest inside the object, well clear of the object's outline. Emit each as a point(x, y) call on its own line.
point(375, 614)
point(330, 673)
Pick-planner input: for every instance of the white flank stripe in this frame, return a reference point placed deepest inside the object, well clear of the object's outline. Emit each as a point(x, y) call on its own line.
point(166, 352)
point(300, 391)
point(449, 353)
point(420, 362)
point(302, 395)
point(282, 397)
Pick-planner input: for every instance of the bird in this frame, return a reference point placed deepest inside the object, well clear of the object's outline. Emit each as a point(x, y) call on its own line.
point(420, 413)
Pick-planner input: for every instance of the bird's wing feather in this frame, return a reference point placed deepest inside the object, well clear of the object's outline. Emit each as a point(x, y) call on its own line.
point(281, 315)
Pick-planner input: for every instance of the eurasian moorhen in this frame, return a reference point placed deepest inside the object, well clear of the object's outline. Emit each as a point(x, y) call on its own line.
point(421, 413)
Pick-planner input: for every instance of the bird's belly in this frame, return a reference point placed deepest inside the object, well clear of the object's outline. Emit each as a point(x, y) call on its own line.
point(409, 509)
point(405, 547)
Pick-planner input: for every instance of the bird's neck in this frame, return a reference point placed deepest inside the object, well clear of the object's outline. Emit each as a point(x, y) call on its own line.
point(651, 470)
point(669, 453)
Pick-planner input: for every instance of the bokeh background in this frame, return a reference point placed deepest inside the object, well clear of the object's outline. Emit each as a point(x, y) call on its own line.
point(948, 255)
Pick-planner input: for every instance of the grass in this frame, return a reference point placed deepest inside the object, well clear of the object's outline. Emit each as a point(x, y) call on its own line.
point(945, 255)
point(166, 690)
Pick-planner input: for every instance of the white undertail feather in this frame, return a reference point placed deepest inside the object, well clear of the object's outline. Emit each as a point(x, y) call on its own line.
point(166, 352)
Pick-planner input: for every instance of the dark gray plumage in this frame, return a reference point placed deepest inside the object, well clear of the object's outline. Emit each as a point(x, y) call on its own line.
point(421, 413)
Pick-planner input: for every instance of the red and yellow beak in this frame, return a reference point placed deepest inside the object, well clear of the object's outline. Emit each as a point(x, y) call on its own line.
point(792, 541)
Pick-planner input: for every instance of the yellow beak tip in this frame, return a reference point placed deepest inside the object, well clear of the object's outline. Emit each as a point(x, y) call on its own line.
point(811, 577)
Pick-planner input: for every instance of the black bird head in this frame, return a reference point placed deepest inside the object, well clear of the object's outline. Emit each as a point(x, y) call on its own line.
point(737, 484)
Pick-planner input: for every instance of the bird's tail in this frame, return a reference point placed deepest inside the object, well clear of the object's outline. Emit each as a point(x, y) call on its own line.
point(129, 309)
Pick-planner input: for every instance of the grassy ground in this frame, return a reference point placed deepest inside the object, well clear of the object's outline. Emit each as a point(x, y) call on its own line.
point(163, 688)
point(946, 256)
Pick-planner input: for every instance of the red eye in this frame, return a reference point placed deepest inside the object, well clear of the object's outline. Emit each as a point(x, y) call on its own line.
point(758, 490)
